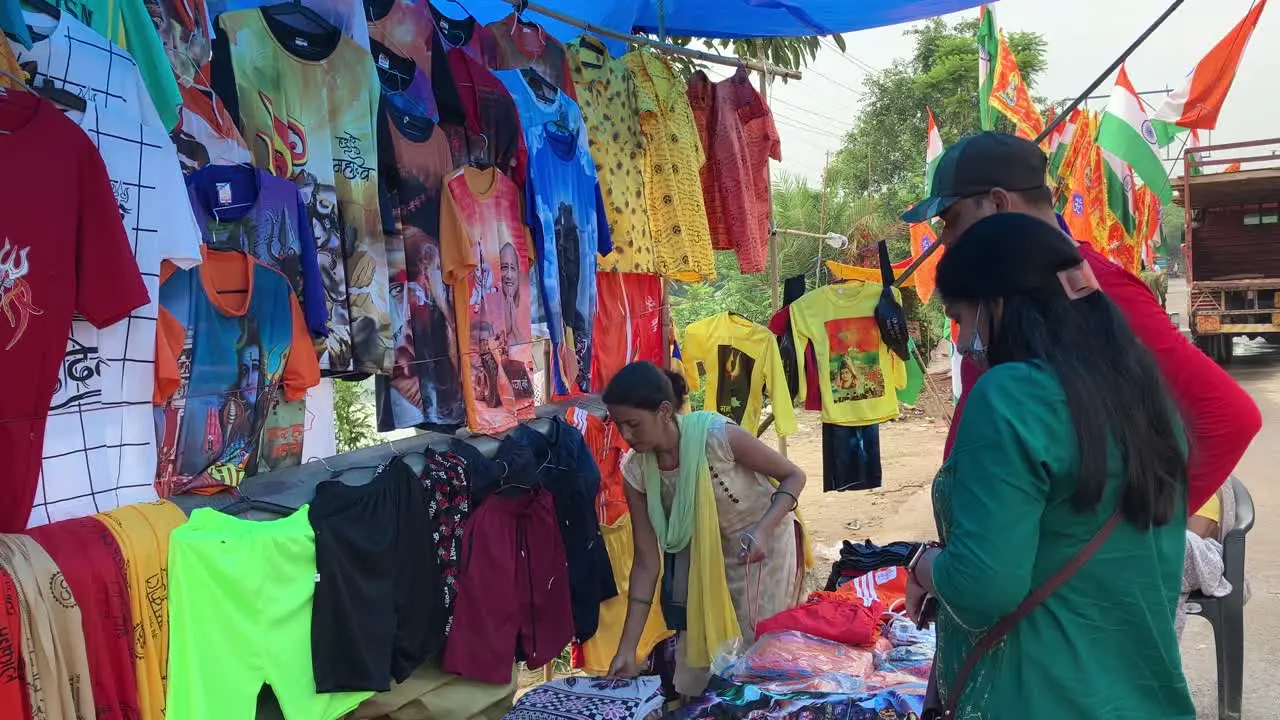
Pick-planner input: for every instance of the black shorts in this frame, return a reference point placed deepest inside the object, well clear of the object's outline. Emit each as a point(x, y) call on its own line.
point(379, 606)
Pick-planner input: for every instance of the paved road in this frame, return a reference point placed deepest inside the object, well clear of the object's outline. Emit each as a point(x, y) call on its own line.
point(1257, 368)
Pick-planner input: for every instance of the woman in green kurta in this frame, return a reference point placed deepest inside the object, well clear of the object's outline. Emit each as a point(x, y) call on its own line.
point(1069, 423)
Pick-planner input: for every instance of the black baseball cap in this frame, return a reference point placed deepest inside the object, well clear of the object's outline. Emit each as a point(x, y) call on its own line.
point(977, 164)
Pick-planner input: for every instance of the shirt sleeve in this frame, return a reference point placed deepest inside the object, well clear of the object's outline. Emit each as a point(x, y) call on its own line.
point(315, 306)
point(694, 352)
point(800, 334)
point(997, 480)
point(222, 79)
point(180, 241)
point(456, 256)
point(144, 44)
point(169, 339)
point(1220, 417)
point(604, 242)
point(779, 390)
point(302, 369)
point(108, 284)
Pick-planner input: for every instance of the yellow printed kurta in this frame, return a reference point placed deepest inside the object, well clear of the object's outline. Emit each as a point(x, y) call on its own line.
point(142, 531)
point(858, 375)
point(607, 96)
point(740, 359)
point(672, 160)
point(312, 121)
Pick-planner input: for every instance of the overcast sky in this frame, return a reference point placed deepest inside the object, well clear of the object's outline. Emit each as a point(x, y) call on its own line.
point(814, 112)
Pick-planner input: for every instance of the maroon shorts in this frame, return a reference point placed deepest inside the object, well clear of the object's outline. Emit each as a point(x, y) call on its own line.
point(513, 589)
point(90, 559)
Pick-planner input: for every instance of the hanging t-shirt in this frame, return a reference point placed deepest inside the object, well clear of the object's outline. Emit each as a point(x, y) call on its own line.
point(859, 376)
point(255, 212)
point(628, 324)
point(526, 45)
point(739, 137)
point(607, 96)
point(9, 64)
point(491, 118)
point(128, 24)
point(308, 115)
point(673, 158)
point(414, 156)
point(741, 360)
point(99, 443)
point(566, 212)
point(63, 251)
point(75, 58)
point(484, 255)
point(232, 340)
point(468, 35)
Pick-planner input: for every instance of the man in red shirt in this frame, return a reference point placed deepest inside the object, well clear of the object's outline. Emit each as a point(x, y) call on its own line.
point(992, 173)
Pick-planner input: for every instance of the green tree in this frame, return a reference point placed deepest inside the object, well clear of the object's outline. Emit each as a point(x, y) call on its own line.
point(786, 53)
point(883, 155)
point(353, 415)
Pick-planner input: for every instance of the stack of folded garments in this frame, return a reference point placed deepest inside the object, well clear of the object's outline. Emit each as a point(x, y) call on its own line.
point(858, 559)
point(583, 698)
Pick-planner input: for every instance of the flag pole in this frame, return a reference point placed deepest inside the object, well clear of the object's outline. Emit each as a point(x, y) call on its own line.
point(1062, 116)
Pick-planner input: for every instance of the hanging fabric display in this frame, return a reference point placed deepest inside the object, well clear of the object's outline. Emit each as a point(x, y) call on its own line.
point(232, 340)
point(524, 45)
point(566, 213)
point(307, 103)
point(484, 257)
point(672, 158)
point(740, 360)
point(628, 325)
point(607, 96)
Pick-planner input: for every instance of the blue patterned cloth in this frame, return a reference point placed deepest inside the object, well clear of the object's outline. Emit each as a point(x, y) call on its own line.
point(580, 698)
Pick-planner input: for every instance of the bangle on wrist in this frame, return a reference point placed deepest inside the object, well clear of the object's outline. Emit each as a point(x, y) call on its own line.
point(795, 502)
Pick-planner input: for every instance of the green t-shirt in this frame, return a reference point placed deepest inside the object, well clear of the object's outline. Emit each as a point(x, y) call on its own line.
point(915, 377)
point(128, 24)
point(1104, 644)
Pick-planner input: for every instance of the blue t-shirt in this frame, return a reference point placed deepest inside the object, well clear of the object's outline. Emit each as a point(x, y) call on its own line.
point(565, 211)
point(11, 22)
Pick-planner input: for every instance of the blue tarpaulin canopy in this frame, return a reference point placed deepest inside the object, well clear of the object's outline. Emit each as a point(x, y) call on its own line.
point(727, 18)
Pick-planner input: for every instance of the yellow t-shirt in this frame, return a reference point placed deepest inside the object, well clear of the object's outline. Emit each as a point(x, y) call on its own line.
point(607, 97)
point(859, 376)
point(740, 359)
point(1212, 509)
point(9, 64)
point(673, 159)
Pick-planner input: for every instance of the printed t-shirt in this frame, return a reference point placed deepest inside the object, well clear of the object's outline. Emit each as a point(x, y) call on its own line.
point(673, 158)
point(608, 448)
point(607, 97)
point(223, 358)
point(414, 156)
point(128, 24)
point(490, 117)
point(740, 359)
point(99, 444)
point(74, 57)
point(63, 250)
point(9, 64)
point(860, 376)
point(308, 113)
point(628, 325)
point(526, 45)
point(739, 139)
point(566, 213)
point(254, 212)
point(484, 256)
point(404, 30)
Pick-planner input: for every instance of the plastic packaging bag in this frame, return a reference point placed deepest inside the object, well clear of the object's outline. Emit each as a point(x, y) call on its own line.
point(795, 662)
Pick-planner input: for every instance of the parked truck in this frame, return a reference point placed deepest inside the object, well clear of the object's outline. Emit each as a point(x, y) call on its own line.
point(1231, 244)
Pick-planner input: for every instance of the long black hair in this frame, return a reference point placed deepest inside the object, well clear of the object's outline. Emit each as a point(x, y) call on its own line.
point(1114, 390)
point(645, 386)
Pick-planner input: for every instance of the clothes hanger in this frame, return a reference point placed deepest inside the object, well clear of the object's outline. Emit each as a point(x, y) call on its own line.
point(246, 504)
point(544, 89)
point(482, 162)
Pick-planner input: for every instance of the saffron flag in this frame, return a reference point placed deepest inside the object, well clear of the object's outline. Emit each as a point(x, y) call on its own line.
point(1148, 215)
point(1061, 142)
point(922, 238)
point(1198, 103)
point(1125, 133)
point(1010, 96)
point(1084, 191)
point(988, 48)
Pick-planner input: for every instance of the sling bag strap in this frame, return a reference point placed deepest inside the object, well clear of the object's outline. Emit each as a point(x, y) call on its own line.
point(1039, 595)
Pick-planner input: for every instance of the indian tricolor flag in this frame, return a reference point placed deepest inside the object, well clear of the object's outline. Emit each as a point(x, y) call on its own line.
point(932, 150)
point(922, 234)
point(1060, 142)
point(1198, 103)
point(988, 49)
point(1126, 134)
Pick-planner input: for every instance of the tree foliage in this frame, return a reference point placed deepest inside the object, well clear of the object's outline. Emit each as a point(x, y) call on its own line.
point(883, 155)
point(787, 53)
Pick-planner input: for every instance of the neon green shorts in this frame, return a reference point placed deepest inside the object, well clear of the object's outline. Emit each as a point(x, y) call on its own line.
point(240, 595)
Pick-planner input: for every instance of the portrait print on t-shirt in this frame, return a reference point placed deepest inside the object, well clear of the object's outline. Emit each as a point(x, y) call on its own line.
point(734, 389)
point(854, 365)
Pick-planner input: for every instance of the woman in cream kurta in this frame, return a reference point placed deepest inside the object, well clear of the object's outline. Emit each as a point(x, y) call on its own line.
point(746, 501)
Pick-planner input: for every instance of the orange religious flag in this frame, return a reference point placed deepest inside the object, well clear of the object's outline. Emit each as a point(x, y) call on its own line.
point(1084, 206)
point(1010, 96)
point(922, 238)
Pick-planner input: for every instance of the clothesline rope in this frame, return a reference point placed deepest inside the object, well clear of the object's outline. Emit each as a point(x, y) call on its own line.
point(663, 47)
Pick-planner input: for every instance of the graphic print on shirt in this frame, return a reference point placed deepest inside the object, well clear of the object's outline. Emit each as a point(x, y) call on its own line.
point(16, 299)
point(735, 368)
point(577, 334)
point(853, 368)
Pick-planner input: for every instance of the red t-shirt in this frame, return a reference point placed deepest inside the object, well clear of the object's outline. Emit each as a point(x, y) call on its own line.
point(63, 250)
point(1220, 417)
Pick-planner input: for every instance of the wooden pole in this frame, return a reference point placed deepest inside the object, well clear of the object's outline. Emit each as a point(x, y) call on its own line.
point(774, 267)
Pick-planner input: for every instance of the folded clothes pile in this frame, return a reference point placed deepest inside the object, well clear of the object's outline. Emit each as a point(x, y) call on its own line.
point(857, 559)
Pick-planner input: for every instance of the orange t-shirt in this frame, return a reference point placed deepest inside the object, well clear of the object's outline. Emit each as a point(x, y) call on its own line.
point(608, 448)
